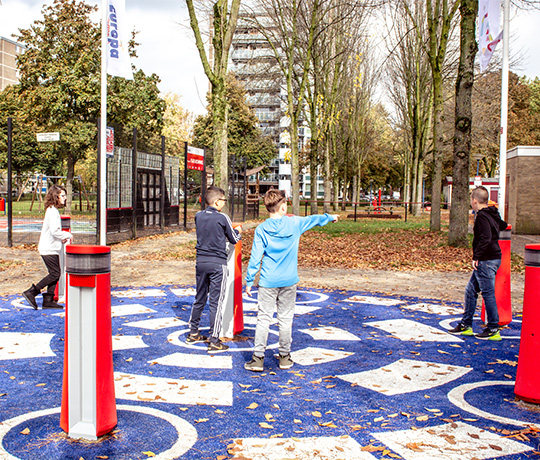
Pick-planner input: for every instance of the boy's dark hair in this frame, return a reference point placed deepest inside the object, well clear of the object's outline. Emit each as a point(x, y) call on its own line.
point(273, 200)
point(213, 193)
point(480, 194)
point(52, 198)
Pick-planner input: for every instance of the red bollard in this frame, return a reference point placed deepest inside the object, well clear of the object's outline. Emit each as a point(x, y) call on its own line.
point(60, 289)
point(88, 398)
point(502, 281)
point(233, 310)
point(528, 370)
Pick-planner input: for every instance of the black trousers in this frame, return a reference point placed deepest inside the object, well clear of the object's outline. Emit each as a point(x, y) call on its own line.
point(52, 263)
point(211, 283)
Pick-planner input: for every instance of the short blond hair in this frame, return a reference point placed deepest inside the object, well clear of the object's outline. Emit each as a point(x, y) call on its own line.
point(274, 199)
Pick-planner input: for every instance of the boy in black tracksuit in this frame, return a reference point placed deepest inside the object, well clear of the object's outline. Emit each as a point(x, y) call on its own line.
point(486, 262)
point(213, 231)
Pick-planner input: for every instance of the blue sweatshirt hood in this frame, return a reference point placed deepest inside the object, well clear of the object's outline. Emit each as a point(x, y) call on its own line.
point(275, 249)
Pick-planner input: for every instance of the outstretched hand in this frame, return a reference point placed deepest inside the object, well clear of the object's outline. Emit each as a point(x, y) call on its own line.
point(248, 290)
point(336, 217)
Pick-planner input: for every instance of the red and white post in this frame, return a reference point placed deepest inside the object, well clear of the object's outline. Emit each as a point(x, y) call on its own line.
point(60, 290)
point(528, 371)
point(88, 399)
point(233, 314)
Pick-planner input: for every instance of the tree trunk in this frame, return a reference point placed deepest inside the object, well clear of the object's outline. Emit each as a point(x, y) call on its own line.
point(313, 171)
point(459, 212)
point(327, 176)
point(69, 182)
point(219, 120)
point(335, 198)
point(438, 102)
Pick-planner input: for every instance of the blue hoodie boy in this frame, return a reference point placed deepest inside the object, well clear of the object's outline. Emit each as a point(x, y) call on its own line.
point(277, 240)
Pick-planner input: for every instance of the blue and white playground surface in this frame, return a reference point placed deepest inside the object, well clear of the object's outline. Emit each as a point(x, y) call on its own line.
point(375, 377)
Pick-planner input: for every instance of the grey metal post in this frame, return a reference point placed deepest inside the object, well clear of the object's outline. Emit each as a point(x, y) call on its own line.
point(185, 185)
point(98, 196)
point(244, 194)
point(162, 187)
point(134, 180)
point(9, 184)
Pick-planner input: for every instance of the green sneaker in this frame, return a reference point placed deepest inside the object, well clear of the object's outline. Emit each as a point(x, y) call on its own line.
point(496, 337)
point(461, 329)
point(468, 332)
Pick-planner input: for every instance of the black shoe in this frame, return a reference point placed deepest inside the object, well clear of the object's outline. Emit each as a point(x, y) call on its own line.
point(48, 302)
point(195, 338)
point(461, 329)
point(256, 364)
point(30, 296)
point(490, 334)
point(217, 347)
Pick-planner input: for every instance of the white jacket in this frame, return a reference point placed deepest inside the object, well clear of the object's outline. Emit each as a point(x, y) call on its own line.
point(50, 240)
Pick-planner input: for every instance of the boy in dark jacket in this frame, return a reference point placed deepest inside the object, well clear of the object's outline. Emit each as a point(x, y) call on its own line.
point(213, 231)
point(486, 262)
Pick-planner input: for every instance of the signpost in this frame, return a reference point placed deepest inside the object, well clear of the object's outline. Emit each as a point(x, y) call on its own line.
point(195, 158)
point(109, 151)
point(47, 137)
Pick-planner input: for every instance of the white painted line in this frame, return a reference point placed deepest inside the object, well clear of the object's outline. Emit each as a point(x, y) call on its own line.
point(22, 345)
point(434, 309)
point(452, 441)
point(196, 361)
point(184, 292)
point(312, 355)
point(132, 293)
point(373, 300)
point(323, 448)
point(178, 338)
point(406, 376)
point(407, 330)
point(303, 309)
point(329, 333)
point(157, 323)
point(457, 397)
point(172, 391)
point(127, 342)
point(129, 309)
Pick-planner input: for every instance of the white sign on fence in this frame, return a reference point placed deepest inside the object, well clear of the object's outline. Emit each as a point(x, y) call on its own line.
point(47, 137)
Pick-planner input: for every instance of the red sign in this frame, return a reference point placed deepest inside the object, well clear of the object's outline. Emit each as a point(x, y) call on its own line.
point(195, 158)
point(109, 150)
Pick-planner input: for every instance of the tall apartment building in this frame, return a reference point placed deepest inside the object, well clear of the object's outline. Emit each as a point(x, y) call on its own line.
point(9, 75)
point(254, 64)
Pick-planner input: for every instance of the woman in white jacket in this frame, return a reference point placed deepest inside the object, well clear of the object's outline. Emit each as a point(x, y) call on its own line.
point(50, 247)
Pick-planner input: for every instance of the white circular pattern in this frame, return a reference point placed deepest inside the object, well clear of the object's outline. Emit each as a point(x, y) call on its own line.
point(320, 298)
point(20, 302)
point(174, 340)
point(187, 434)
point(457, 397)
point(447, 324)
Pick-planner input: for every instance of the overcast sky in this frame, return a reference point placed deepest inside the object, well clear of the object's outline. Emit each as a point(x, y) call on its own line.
point(167, 46)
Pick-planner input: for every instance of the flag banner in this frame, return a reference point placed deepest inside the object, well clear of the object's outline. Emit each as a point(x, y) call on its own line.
point(109, 152)
point(488, 30)
point(118, 62)
point(195, 158)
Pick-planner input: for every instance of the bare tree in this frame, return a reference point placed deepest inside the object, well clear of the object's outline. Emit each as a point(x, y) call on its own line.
point(410, 88)
point(224, 19)
point(439, 18)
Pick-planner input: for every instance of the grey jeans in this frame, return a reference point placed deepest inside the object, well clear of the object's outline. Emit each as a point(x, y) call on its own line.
point(283, 299)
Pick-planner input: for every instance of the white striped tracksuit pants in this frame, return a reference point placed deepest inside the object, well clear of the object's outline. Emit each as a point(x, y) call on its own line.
point(211, 279)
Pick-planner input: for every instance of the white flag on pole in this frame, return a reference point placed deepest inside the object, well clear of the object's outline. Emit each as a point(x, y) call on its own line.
point(488, 30)
point(118, 62)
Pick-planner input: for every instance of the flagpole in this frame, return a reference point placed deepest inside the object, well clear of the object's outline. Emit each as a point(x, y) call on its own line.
point(504, 110)
point(102, 173)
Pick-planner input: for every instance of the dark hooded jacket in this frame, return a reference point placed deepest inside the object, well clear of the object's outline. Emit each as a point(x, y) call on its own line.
point(487, 225)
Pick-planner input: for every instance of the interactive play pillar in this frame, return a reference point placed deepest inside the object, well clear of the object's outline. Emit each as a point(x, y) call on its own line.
point(233, 315)
point(502, 281)
point(60, 290)
point(88, 401)
point(528, 371)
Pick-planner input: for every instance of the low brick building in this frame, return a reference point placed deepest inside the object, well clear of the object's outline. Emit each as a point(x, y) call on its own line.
point(523, 189)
